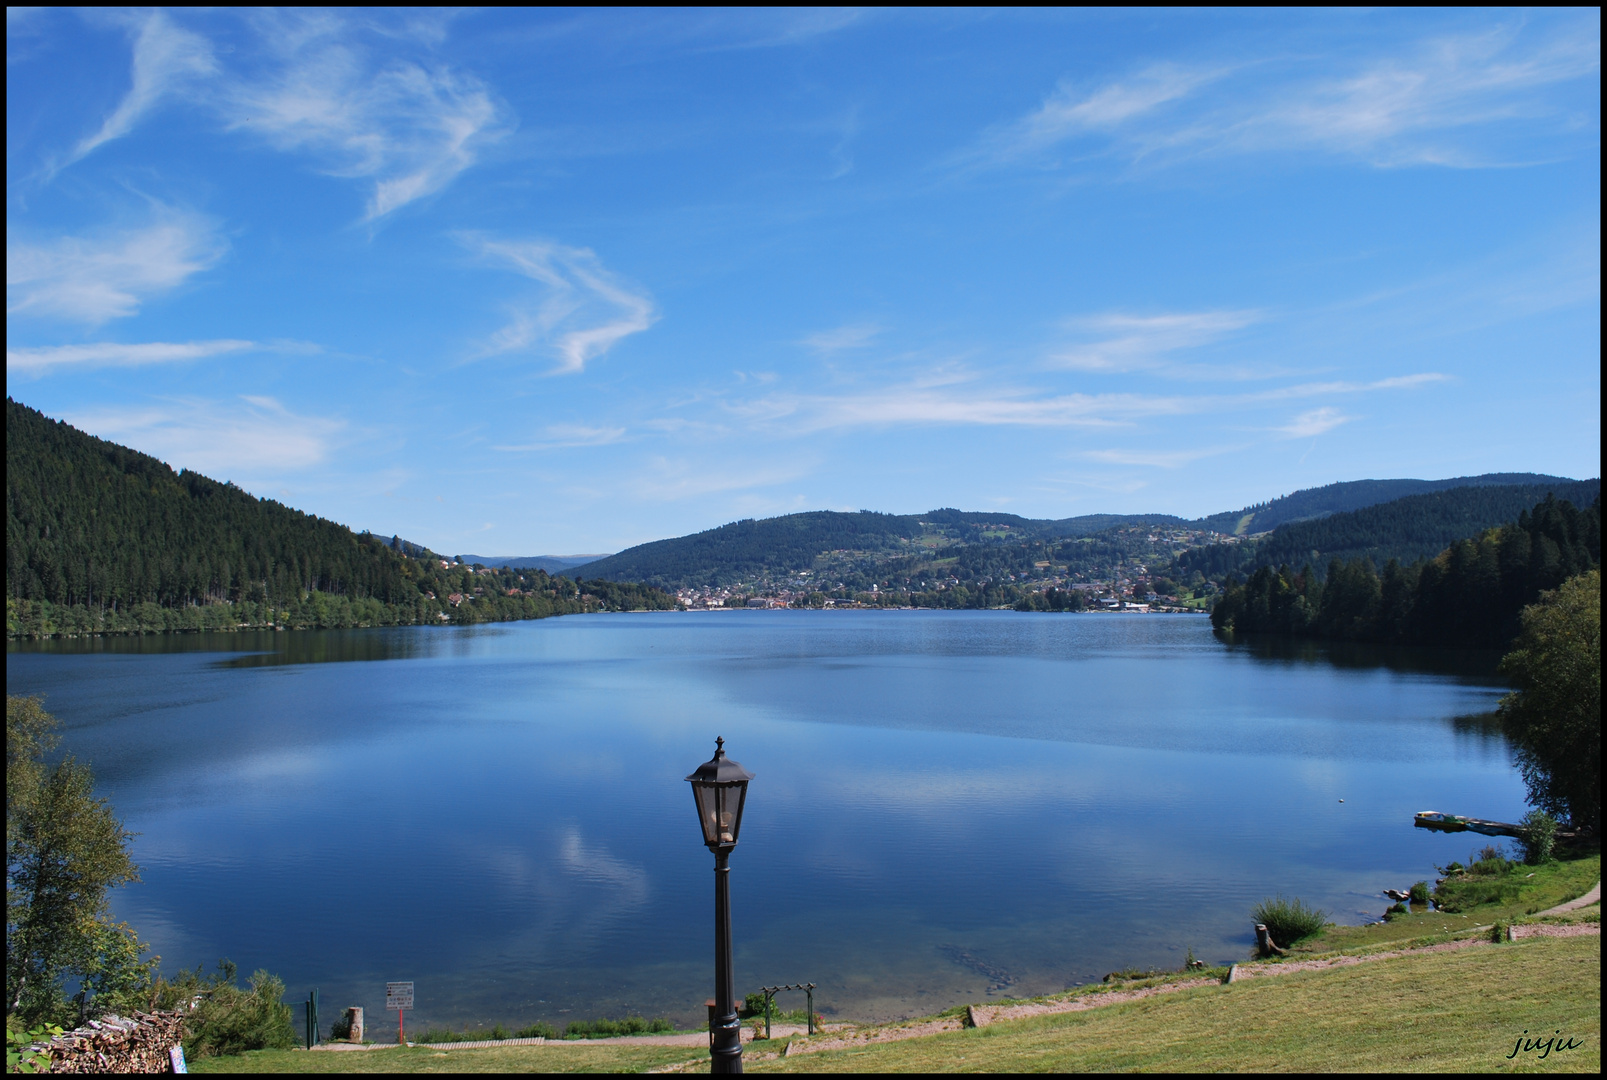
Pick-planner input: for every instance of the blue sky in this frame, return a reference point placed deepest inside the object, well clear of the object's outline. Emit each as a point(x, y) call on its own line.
point(567, 281)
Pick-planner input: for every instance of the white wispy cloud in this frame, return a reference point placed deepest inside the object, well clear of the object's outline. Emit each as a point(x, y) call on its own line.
point(218, 438)
point(851, 336)
point(1160, 459)
point(1468, 100)
point(108, 274)
point(38, 361)
point(584, 311)
point(1384, 111)
point(1069, 112)
point(1314, 422)
point(1344, 386)
point(918, 404)
point(166, 58)
point(409, 127)
point(1144, 342)
point(958, 399)
point(563, 436)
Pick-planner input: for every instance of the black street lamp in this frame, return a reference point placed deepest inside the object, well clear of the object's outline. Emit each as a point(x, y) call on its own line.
point(720, 787)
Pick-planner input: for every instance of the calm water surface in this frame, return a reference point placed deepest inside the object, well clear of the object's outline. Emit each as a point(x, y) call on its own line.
point(949, 805)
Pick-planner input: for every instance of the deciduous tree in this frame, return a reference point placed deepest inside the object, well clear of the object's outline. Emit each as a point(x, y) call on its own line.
point(1554, 716)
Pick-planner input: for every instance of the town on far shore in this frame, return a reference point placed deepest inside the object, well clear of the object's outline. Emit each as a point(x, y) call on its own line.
point(1123, 570)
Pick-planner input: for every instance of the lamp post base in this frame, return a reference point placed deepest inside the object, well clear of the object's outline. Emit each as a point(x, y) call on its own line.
point(725, 1046)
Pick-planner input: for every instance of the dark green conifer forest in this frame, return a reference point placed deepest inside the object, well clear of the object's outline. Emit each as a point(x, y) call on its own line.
point(1470, 595)
point(104, 539)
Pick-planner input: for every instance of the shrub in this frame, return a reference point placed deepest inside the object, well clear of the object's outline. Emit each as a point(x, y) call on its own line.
point(1539, 836)
point(226, 1019)
point(341, 1029)
point(1554, 716)
point(20, 1059)
point(1288, 921)
point(1394, 910)
point(1419, 893)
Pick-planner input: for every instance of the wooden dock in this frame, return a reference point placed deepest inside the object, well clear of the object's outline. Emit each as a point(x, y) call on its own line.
point(1433, 819)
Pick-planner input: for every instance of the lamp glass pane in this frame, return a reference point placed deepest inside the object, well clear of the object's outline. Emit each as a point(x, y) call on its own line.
point(706, 811)
point(704, 801)
point(738, 794)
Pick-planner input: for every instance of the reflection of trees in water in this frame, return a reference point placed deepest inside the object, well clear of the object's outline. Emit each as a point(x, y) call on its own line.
point(1416, 659)
point(269, 648)
point(1487, 725)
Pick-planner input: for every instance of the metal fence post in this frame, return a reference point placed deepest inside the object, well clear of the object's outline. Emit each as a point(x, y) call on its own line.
point(314, 1017)
point(810, 995)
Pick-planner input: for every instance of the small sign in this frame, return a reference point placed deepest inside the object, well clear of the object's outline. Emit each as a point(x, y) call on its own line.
point(176, 1056)
point(398, 995)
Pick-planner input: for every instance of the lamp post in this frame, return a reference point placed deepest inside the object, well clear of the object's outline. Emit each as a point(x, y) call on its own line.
point(720, 787)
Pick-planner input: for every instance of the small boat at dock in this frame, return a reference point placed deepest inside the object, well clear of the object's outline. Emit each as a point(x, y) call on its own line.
point(1433, 819)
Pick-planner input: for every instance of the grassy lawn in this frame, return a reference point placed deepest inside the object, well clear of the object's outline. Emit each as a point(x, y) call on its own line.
point(1458, 1011)
point(553, 1057)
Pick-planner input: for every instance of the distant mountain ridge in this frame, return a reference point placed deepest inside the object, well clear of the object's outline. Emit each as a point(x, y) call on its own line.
point(791, 544)
point(552, 564)
point(1352, 495)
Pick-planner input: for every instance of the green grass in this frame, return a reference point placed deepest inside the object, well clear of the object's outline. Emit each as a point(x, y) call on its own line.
point(553, 1057)
point(1551, 884)
point(1457, 1011)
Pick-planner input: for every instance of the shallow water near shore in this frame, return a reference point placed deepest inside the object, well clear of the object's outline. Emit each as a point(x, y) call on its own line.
point(949, 807)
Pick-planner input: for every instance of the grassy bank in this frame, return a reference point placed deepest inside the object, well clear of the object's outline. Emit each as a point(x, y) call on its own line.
point(1548, 886)
point(1445, 1011)
point(1454, 1011)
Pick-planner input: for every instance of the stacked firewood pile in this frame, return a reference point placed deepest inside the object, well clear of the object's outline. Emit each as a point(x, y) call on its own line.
point(115, 1044)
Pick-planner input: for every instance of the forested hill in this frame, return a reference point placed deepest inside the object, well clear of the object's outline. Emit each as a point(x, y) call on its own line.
point(772, 547)
point(748, 548)
point(1416, 527)
point(101, 538)
point(1353, 495)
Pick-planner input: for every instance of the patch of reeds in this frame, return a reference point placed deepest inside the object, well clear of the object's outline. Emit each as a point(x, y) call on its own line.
point(603, 1028)
point(1289, 921)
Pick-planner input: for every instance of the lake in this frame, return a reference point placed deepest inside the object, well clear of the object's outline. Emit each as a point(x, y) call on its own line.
point(949, 806)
